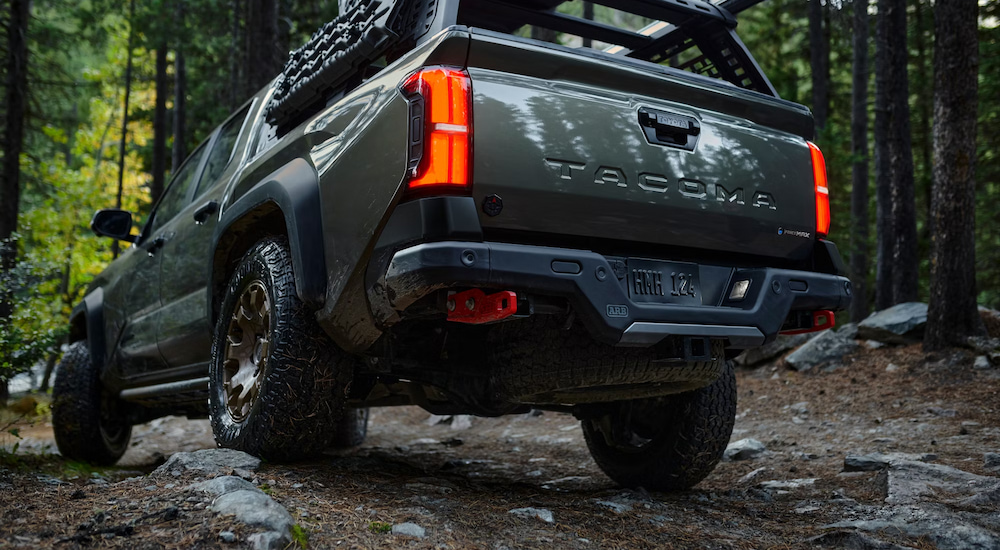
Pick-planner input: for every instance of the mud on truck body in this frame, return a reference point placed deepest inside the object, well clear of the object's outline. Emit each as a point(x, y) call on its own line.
point(429, 207)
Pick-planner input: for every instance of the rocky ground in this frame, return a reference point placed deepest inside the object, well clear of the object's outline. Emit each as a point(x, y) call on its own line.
point(885, 448)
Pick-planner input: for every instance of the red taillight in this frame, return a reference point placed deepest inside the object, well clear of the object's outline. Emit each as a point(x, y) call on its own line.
point(822, 191)
point(445, 146)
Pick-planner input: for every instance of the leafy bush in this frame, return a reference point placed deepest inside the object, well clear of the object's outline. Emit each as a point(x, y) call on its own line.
point(33, 329)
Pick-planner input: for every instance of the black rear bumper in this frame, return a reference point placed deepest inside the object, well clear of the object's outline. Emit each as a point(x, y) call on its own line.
point(596, 287)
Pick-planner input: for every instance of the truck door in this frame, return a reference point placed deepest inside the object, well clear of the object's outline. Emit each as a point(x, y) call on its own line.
point(185, 332)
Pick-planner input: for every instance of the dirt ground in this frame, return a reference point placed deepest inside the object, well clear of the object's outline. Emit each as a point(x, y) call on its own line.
point(459, 482)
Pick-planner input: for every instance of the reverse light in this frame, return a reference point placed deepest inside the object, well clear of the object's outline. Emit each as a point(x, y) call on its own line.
point(822, 191)
point(440, 130)
point(739, 290)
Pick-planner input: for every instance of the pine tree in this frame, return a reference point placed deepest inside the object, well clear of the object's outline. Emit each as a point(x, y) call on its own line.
point(859, 168)
point(952, 314)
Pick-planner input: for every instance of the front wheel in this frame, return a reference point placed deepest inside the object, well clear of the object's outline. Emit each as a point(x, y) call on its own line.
point(89, 423)
point(277, 383)
point(665, 443)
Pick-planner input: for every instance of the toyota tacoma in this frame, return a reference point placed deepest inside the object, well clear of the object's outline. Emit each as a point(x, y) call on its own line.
point(477, 207)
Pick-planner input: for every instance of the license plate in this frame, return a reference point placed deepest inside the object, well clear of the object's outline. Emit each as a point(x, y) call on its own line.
point(663, 282)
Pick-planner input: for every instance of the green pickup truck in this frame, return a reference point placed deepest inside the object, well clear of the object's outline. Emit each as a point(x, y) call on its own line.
point(477, 207)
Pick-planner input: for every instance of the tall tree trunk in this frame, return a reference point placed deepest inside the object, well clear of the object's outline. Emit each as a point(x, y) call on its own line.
point(179, 152)
point(236, 61)
point(13, 141)
point(924, 104)
point(263, 54)
point(883, 195)
point(541, 33)
point(952, 314)
point(160, 126)
point(180, 112)
point(859, 167)
point(588, 14)
point(13, 138)
point(124, 139)
point(891, 80)
point(819, 60)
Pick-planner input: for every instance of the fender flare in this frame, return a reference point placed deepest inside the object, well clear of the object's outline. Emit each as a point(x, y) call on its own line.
point(87, 322)
point(294, 190)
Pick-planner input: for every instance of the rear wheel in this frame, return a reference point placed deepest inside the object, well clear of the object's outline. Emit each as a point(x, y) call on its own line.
point(665, 443)
point(277, 383)
point(89, 423)
point(351, 429)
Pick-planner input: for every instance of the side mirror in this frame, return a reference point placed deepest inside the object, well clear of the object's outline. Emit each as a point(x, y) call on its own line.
point(113, 223)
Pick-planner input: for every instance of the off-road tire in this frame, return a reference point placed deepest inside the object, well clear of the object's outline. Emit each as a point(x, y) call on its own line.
point(90, 425)
point(351, 429)
point(537, 361)
point(686, 435)
point(305, 377)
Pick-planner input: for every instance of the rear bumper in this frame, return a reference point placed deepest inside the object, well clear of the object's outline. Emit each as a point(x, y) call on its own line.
point(601, 297)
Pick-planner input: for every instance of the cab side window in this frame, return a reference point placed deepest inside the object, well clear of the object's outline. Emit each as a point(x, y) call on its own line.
point(222, 151)
point(175, 197)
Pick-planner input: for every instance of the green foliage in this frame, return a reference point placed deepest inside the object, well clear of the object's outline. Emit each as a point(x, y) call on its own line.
point(9, 458)
point(26, 337)
point(380, 527)
point(300, 536)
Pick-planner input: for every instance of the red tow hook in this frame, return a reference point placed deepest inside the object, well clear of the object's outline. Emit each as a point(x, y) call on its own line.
point(821, 320)
point(475, 307)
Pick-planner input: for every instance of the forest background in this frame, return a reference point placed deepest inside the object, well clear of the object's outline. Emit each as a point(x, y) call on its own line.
point(102, 98)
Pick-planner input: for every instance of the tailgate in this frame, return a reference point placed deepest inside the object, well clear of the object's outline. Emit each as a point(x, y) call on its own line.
point(583, 146)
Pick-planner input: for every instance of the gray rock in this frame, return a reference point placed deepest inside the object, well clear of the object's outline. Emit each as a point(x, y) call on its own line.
point(744, 449)
point(221, 485)
point(269, 540)
point(209, 460)
point(788, 483)
point(533, 513)
point(227, 536)
point(461, 422)
point(751, 476)
point(850, 330)
point(755, 356)
point(984, 345)
point(853, 540)
point(910, 482)
point(900, 324)
point(981, 362)
point(991, 461)
point(615, 507)
point(945, 529)
point(828, 348)
point(801, 408)
point(878, 461)
point(409, 529)
point(254, 508)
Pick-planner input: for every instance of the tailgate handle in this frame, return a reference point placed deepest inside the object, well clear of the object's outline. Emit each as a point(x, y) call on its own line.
point(670, 129)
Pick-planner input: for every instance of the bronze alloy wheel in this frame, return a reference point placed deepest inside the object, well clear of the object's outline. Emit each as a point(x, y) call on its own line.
point(247, 346)
point(277, 384)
